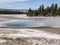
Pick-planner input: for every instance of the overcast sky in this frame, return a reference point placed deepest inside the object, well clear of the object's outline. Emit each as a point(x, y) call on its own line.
point(25, 4)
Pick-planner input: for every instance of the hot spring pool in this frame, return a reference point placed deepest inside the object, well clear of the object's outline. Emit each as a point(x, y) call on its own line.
point(22, 23)
point(39, 22)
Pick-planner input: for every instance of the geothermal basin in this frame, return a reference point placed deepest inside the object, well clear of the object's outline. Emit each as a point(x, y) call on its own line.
point(34, 22)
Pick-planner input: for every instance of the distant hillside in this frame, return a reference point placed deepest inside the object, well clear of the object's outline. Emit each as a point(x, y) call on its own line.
point(13, 11)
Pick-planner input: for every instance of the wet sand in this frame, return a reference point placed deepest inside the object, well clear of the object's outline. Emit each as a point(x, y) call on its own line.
point(49, 29)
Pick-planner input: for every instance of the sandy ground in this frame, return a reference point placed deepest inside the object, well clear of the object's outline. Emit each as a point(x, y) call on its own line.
point(49, 29)
point(9, 36)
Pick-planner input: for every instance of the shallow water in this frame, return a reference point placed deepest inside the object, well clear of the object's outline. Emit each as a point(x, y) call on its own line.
point(21, 24)
point(39, 22)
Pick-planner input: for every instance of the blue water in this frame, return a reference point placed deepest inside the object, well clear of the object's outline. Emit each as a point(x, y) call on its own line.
point(21, 24)
point(40, 22)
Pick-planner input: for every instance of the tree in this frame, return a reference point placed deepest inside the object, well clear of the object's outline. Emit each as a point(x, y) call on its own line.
point(30, 12)
point(58, 11)
point(52, 9)
point(36, 13)
point(56, 6)
point(42, 10)
point(39, 10)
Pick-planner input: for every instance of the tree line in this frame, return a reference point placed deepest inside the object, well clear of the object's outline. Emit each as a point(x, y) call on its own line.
point(11, 11)
point(53, 10)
